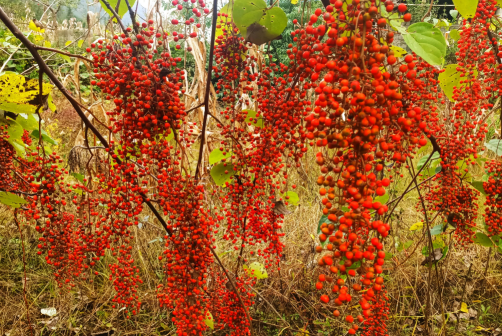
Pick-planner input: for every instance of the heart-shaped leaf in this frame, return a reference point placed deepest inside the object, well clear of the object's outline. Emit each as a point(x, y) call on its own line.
point(257, 23)
point(217, 155)
point(451, 77)
point(291, 197)
point(209, 320)
point(222, 173)
point(482, 239)
point(256, 270)
point(495, 145)
point(427, 42)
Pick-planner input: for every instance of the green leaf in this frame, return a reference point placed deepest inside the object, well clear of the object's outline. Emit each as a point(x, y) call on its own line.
point(437, 230)
point(382, 199)
point(28, 121)
point(121, 10)
point(291, 197)
point(65, 57)
point(405, 246)
point(455, 34)
point(45, 137)
point(427, 42)
point(395, 21)
point(256, 270)
point(482, 239)
point(442, 23)
point(11, 199)
point(257, 23)
point(20, 148)
point(324, 219)
point(252, 119)
point(271, 25)
point(495, 146)
point(445, 252)
point(437, 243)
point(217, 155)
point(78, 176)
point(478, 185)
point(454, 13)
point(247, 12)
point(450, 78)
point(423, 160)
point(222, 172)
point(14, 130)
point(433, 170)
point(170, 136)
point(466, 8)
point(209, 320)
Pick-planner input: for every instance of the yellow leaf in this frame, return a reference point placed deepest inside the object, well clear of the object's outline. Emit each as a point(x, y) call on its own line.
point(33, 26)
point(80, 42)
point(67, 43)
point(398, 51)
point(303, 332)
point(463, 307)
point(16, 92)
point(480, 328)
point(47, 44)
point(209, 320)
point(227, 23)
point(417, 226)
point(294, 2)
point(38, 38)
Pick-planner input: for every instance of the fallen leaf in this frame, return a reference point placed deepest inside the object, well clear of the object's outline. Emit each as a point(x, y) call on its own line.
point(49, 311)
point(280, 208)
point(437, 255)
point(463, 307)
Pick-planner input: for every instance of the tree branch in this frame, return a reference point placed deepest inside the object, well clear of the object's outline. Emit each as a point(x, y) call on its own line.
point(43, 67)
point(208, 87)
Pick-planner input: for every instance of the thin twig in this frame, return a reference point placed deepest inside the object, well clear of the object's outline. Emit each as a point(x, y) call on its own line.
point(43, 67)
point(63, 53)
point(429, 11)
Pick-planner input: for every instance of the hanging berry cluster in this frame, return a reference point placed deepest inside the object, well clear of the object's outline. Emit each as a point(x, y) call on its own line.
point(460, 135)
point(493, 204)
point(369, 108)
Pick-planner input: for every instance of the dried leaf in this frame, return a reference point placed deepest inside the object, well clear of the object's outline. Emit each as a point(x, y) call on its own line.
point(280, 208)
point(437, 255)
